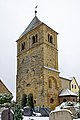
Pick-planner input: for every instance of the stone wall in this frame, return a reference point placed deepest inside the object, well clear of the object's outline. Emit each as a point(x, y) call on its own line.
point(53, 91)
point(32, 76)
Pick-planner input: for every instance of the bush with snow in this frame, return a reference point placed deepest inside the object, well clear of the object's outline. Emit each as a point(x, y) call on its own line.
point(5, 98)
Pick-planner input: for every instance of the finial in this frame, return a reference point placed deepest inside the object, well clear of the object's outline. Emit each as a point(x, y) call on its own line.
point(36, 10)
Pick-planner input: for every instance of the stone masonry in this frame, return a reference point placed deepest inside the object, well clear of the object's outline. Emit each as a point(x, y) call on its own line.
point(37, 66)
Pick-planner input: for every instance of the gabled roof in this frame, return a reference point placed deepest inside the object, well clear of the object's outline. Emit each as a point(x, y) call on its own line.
point(67, 92)
point(34, 23)
point(73, 78)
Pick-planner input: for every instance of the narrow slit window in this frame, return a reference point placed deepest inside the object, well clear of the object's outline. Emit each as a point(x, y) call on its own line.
point(33, 39)
point(51, 39)
point(72, 85)
point(23, 46)
point(50, 83)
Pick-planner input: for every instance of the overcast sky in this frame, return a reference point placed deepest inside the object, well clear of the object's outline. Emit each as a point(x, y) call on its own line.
point(62, 16)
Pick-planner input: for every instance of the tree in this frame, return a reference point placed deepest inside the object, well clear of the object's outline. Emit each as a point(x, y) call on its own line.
point(24, 100)
point(17, 112)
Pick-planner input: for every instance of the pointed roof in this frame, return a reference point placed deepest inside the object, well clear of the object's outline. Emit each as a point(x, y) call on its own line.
point(67, 92)
point(33, 24)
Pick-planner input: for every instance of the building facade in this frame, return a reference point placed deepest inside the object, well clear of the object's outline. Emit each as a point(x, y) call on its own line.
point(74, 86)
point(70, 83)
point(37, 64)
point(37, 67)
point(66, 83)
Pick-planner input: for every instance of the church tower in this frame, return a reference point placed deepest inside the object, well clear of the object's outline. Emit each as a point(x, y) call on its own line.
point(37, 64)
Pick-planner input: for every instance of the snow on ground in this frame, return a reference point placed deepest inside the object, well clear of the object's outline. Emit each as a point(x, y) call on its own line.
point(77, 119)
point(40, 118)
point(36, 118)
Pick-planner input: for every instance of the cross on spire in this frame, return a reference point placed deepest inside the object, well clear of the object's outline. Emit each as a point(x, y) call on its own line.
point(36, 10)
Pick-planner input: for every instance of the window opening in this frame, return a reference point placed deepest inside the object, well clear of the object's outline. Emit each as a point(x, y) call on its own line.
point(72, 85)
point(73, 100)
point(51, 39)
point(51, 100)
point(75, 86)
point(50, 83)
point(33, 38)
point(23, 46)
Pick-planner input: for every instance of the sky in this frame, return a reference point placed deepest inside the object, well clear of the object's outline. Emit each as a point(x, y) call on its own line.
point(63, 16)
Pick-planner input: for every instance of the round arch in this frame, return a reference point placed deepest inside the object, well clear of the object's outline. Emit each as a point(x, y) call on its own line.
point(52, 82)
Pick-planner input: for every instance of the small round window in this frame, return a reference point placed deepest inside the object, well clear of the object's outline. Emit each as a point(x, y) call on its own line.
point(51, 100)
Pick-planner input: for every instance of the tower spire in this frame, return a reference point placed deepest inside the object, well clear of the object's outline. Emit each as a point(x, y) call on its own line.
point(36, 10)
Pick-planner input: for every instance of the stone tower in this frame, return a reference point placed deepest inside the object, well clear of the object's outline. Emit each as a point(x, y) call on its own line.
point(37, 64)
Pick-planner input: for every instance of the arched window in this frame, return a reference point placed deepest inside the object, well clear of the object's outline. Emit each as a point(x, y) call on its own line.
point(33, 39)
point(50, 83)
point(23, 46)
point(30, 100)
point(51, 39)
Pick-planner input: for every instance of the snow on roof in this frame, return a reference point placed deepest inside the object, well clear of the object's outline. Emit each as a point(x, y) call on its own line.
point(59, 110)
point(67, 105)
point(67, 92)
point(51, 69)
point(66, 78)
point(35, 118)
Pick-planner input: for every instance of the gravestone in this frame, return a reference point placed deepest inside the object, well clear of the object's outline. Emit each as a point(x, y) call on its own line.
point(73, 110)
point(27, 111)
point(61, 114)
point(7, 115)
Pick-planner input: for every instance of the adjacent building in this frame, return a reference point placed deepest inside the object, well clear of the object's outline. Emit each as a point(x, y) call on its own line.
point(74, 85)
point(70, 83)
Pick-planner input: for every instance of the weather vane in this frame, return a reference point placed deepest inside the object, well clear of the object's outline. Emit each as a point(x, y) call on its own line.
point(36, 10)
